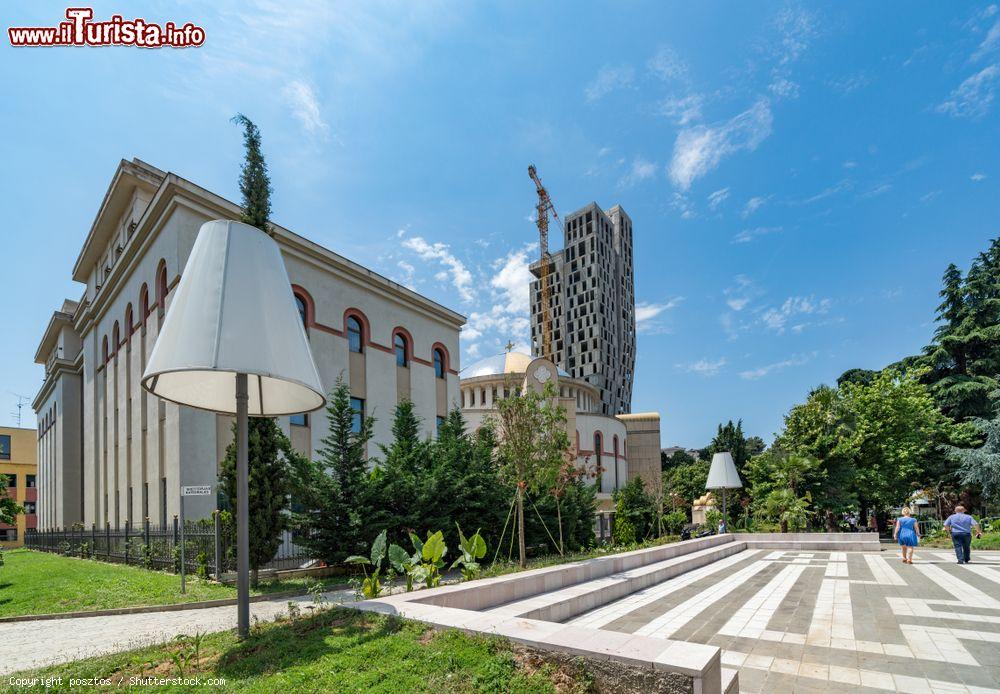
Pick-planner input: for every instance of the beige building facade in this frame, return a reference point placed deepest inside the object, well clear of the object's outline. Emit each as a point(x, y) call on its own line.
point(118, 453)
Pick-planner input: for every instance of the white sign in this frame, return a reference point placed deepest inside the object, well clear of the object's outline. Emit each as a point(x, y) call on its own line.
point(197, 490)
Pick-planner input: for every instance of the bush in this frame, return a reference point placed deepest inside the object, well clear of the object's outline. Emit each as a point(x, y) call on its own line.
point(634, 504)
point(624, 532)
point(674, 522)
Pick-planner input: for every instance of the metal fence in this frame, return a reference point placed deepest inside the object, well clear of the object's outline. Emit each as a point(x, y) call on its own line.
point(208, 548)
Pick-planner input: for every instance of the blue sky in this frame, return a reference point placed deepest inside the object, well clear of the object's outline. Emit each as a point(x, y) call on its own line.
point(798, 175)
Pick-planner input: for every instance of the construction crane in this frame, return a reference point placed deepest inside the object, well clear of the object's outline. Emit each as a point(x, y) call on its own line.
point(542, 211)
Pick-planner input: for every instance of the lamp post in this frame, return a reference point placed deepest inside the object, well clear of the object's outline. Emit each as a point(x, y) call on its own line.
point(723, 475)
point(232, 342)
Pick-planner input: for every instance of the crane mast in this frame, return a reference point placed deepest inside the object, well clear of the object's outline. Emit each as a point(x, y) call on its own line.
point(542, 209)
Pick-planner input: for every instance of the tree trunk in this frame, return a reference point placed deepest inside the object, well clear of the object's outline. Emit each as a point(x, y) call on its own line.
point(784, 526)
point(522, 550)
point(254, 575)
point(831, 526)
point(559, 519)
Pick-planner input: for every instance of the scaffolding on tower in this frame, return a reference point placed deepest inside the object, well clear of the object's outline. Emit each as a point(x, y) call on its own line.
point(542, 211)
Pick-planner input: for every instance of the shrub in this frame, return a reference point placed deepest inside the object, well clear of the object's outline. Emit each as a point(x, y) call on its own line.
point(675, 522)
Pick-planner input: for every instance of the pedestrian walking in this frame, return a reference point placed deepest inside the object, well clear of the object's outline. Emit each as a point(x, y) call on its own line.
point(959, 524)
point(907, 534)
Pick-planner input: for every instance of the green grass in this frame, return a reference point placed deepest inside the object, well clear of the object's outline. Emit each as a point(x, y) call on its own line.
point(336, 650)
point(34, 582)
point(989, 540)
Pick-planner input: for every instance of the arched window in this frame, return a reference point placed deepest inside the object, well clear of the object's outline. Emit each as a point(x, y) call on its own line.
point(402, 350)
point(598, 449)
point(355, 337)
point(614, 443)
point(161, 289)
point(143, 303)
point(129, 322)
point(115, 338)
point(303, 308)
point(104, 350)
point(439, 362)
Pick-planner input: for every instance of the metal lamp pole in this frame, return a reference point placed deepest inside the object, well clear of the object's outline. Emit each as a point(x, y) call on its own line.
point(242, 510)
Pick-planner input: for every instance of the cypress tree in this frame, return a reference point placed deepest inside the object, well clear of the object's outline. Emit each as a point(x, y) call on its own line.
point(255, 184)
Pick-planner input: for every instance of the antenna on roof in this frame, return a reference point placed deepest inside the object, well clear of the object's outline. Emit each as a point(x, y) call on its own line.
point(22, 400)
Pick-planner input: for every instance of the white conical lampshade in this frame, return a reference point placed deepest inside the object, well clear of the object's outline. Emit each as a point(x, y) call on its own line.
point(723, 474)
point(234, 312)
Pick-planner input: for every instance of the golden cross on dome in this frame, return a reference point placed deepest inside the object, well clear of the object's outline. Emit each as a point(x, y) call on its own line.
point(510, 346)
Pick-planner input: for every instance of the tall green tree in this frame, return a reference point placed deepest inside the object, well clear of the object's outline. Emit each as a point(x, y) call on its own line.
point(9, 508)
point(963, 361)
point(255, 184)
point(272, 467)
point(335, 489)
point(398, 494)
point(729, 437)
point(981, 466)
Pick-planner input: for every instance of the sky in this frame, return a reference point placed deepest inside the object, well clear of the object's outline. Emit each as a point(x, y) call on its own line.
point(799, 175)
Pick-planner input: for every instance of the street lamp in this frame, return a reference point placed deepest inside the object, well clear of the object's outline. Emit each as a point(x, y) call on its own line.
point(233, 343)
point(723, 475)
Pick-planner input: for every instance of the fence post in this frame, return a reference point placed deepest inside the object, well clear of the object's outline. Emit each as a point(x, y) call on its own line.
point(93, 540)
point(145, 535)
point(218, 545)
point(126, 540)
point(173, 561)
point(107, 539)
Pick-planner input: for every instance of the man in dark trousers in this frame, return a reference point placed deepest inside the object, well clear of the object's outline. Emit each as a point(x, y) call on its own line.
point(959, 524)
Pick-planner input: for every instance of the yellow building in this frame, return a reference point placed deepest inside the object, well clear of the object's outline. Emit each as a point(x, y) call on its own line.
point(19, 462)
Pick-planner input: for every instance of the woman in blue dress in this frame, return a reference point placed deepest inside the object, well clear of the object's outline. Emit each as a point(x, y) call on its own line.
point(907, 534)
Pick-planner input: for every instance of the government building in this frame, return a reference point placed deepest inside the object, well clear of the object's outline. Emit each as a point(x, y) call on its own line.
point(110, 452)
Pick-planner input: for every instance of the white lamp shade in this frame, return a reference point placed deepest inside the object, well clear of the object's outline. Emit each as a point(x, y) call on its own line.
point(723, 474)
point(234, 312)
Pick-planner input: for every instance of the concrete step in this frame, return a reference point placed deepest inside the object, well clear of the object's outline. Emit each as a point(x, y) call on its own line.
point(730, 681)
point(566, 603)
point(822, 542)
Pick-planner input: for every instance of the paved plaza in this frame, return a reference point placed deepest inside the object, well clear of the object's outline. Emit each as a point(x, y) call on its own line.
point(809, 621)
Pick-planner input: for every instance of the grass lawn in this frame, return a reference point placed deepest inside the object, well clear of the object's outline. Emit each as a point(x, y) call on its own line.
point(34, 582)
point(336, 650)
point(987, 541)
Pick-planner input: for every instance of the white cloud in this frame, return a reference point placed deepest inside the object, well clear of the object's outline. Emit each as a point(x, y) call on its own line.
point(796, 29)
point(409, 272)
point(716, 198)
point(840, 187)
point(989, 43)
point(776, 318)
point(973, 97)
point(683, 109)
point(512, 279)
point(705, 367)
point(876, 190)
point(666, 64)
point(784, 88)
point(927, 197)
point(748, 235)
point(461, 278)
point(472, 349)
point(680, 203)
point(850, 164)
point(850, 83)
point(739, 296)
point(641, 170)
point(753, 204)
point(304, 106)
point(699, 149)
point(760, 372)
point(646, 312)
point(608, 79)
point(977, 177)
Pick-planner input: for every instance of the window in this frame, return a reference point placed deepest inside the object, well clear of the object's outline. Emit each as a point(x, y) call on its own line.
point(358, 414)
point(615, 443)
point(598, 446)
point(4, 447)
point(439, 363)
point(354, 335)
point(29, 508)
point(8, 534)
point(161, 290)
point(116, 339)
point(401, 350)
point(440, 423)
point(29, 481)
point(300, 304)
point(301, 420)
